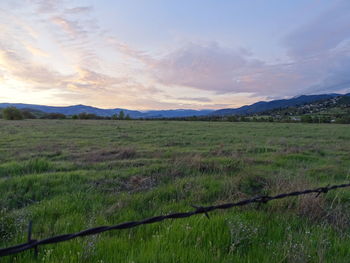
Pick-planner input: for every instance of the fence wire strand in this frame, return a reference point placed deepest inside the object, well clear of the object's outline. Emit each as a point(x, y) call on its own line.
point(33, 244)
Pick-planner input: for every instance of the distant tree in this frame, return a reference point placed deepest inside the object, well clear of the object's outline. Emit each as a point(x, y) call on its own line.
point(75, 117)
point(244, 119)
point(55, 116)
point(343, 120)
point(115, 117)
point(190, 118)
point(345, 100)
point(326, 119)
point(12, 113)
point(83, 116)
point(306, 118)
point(27, 114)
point(88, 116)
point(121, 115)
point(127, 117)
point(232, 118)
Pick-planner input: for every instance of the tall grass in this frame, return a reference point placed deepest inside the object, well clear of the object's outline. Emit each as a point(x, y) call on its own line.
point(70, 175)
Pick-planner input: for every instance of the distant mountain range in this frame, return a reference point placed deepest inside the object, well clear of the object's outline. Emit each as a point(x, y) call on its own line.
point(262, 106)
point(257, 107)
point(332, 108)
point(77, 109)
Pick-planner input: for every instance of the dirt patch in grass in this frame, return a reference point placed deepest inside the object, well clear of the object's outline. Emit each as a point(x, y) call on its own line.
point(172, 143)
point(311, 207)
point(339, 218)
point(131, 184)
point(102, 155)
point(195, 163)
point(252, 185)
point(256, 161)
point(220, 150)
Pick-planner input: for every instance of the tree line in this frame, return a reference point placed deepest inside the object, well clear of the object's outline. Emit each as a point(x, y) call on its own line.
point(13, 113)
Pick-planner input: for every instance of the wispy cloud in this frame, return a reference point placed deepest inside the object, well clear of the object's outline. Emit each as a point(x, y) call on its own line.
point(45, 78)
point(200, 99)
point(212, 67)
point(130, 52)
point(321, 48)
point(57, 46)
point(322, 34)
point(78, 10)
point(70, 27)
point(17, 67)
point(47, 6)
point(36, 51)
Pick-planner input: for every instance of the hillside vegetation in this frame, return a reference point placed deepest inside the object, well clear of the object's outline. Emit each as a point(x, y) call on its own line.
point(69, 175)
point(335, 109)
point(270, 108)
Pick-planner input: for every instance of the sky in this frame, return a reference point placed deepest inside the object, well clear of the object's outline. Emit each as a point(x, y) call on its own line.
point(165, 54)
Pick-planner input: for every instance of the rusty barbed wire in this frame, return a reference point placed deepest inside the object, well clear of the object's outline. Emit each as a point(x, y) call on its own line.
point(33, 244)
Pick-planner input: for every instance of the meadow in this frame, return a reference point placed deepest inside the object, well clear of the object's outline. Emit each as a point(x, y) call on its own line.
point(69, 175)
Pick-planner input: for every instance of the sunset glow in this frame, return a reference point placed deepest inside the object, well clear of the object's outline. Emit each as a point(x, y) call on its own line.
point(161, 54)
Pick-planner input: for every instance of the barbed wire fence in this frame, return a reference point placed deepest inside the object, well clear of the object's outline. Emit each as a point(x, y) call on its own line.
point(34, 244)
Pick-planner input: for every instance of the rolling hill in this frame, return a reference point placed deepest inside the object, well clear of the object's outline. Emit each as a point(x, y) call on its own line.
point(262, 106)
point(77, 109)
point(256, 108)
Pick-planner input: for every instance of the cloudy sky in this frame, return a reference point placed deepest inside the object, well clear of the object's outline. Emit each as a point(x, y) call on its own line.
point(165, 54)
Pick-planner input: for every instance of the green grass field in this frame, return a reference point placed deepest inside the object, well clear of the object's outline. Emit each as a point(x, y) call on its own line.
point(70, 175)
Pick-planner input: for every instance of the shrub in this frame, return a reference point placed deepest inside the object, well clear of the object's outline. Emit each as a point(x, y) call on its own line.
point(28, 115)
point(121, 115)
point(343, 120)
point(12, 113)
point(306, 118)
point(88, 116)
point(55, 116)
point(233, 118)
point(252, 185)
